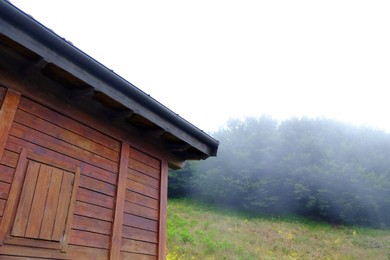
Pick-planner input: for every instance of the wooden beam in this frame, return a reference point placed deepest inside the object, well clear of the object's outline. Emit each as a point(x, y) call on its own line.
point(36, 66)
point(7, 115)
point(177, 147)
point(192, 156)
point(153, 133)
point(118, 116)
point(162, 232)
point(81, 93)
point(116, 238)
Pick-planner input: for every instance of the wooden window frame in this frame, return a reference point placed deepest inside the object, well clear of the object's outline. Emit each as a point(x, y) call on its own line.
point(14, 199)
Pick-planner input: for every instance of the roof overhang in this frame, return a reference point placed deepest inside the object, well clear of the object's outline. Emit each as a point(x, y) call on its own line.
point(181, 137)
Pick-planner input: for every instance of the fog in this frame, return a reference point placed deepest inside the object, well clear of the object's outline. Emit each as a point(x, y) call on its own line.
point(317, 168)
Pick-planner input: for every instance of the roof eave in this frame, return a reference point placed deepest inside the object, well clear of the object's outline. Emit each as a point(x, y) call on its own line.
point(33, 35)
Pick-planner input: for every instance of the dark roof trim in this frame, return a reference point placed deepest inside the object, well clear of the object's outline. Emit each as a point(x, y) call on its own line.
point(24, 29)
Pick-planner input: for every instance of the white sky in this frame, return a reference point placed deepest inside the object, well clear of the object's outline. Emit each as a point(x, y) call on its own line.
point(210, 60)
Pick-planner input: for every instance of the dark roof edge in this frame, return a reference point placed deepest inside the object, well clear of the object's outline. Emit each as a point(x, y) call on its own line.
point(75, 55)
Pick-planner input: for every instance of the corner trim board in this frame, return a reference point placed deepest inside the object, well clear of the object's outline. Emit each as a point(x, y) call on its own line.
point(7, 115)
point(162, 232)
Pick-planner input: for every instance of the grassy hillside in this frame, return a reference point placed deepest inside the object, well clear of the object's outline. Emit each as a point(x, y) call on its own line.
point(197, 231)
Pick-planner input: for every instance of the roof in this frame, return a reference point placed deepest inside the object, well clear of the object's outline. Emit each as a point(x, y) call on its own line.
point(91, 84)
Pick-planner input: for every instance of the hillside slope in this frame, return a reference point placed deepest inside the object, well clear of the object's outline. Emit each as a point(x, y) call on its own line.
point(197, 231)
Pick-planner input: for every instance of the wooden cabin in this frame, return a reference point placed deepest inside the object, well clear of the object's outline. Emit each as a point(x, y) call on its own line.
point(84, 154)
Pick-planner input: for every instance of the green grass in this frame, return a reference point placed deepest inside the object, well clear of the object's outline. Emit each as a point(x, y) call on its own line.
point(197, 231)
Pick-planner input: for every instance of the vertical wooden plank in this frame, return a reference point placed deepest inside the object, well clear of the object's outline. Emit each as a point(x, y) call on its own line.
point(63, 206)
point(13, 196)
point(7, 115)
point(162, 232)
point(68, 225)
point(51, 204)
point(120, 203)
point(26, 198)
point(39, 202)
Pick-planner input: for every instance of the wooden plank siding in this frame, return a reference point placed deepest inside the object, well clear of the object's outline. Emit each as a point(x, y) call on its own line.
point(64, 143)
point(141, 217)
point(58, 138)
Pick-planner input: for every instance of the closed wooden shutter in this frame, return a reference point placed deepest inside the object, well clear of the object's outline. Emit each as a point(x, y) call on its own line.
point(40, 205)
point(44, 203)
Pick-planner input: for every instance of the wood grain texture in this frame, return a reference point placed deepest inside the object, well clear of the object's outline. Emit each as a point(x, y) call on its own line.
point(133, 246)
point(2, 206)
point(52, 157)
point(64, 148)
point(13, 196)
point(141, 211)
point(10, 158)
point(142, 200)
point(80, 252)
point(143, 178)
point(14, 144)
point(142, 189)
point(145, 158)
point(144, 168)
point(132, 256)
point(69, 219)
point(51, 204)
point(7, 114)
point(97, 185)
point(63, 206)
point(6, 173)
point(37, 252)
point(72, 125)
point(4, 190)
point(88, 239)
point(95, 198)
point(139, 234)
point(97, 192)
point(140, 222)
point(93, 211)
point(119, 205)
point(162, 240)
point(46, 206)
point(39, 201)
point(92, 225)
point(21, 241)
point(26, 198)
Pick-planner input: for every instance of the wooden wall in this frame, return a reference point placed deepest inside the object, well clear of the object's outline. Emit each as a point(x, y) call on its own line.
point(141, 208)
point(58, 138)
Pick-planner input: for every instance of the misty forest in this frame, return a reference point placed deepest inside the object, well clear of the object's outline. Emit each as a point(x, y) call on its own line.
point(319, 168)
